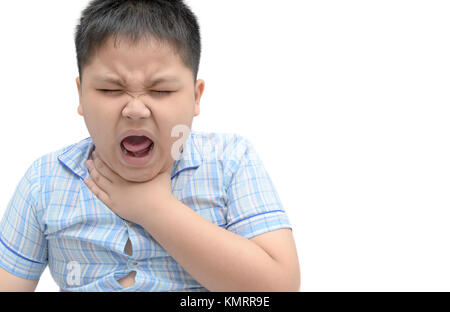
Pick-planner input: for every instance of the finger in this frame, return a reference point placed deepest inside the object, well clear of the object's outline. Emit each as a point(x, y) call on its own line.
point(103, 168)
point(98, 177)
point(97, 191)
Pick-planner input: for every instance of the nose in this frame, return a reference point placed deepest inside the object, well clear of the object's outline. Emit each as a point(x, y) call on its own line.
point(136, 108)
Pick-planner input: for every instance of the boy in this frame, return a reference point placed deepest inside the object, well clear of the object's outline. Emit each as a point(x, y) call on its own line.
point(133, 207)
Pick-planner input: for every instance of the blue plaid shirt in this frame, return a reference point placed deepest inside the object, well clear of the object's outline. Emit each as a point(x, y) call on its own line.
point(54, 219)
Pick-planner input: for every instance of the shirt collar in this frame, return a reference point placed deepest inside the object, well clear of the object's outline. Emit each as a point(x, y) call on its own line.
point(75, 156)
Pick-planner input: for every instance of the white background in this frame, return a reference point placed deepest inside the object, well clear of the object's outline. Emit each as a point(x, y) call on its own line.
point(346, 102)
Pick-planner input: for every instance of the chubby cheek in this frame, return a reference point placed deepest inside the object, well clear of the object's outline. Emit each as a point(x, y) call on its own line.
point(166, 143)
point(180, 129)
point(100, 125)
point(96, 116)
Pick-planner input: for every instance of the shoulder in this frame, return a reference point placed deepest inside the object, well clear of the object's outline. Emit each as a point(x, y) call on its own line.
point(40, 179)
point(225, 152)
point(221, 146)
point(52, 164)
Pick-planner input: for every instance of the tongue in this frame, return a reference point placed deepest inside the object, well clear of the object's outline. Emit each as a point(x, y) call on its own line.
point(136, 144)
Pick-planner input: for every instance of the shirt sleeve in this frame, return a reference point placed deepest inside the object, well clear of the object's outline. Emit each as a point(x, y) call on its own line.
point(23, 247)
point(254, 206)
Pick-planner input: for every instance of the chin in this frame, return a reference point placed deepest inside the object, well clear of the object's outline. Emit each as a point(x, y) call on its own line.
point(137, 179)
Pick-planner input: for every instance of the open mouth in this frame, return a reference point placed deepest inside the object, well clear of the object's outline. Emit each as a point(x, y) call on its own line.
point(137, 146)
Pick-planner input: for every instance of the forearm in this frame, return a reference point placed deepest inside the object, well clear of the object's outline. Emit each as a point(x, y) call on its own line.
point(12, 283)
point(218, 259)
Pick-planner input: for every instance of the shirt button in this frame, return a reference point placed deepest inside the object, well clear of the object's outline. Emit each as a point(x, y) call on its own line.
point(133, 264)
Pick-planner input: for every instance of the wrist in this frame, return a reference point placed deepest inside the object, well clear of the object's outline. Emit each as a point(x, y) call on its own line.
point(162, 207)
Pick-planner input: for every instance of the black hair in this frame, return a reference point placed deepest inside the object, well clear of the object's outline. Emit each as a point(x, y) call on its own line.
point(166, 21)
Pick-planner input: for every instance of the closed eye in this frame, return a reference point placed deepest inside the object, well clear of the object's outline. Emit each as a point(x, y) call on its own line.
point(162, 92)
point(109, 91)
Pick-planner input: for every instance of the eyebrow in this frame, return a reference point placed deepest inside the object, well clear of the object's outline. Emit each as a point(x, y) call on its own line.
point(119, 81)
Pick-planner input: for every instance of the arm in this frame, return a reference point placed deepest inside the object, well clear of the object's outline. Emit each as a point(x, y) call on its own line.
point(221, 260)
point(12, 283)
point(280, 245)
point(23, 246)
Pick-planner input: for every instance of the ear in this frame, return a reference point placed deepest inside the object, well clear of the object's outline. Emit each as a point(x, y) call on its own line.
point(199, 88)
point(80, 108)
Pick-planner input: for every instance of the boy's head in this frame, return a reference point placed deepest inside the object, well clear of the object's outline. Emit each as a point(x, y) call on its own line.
point(138, 62)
